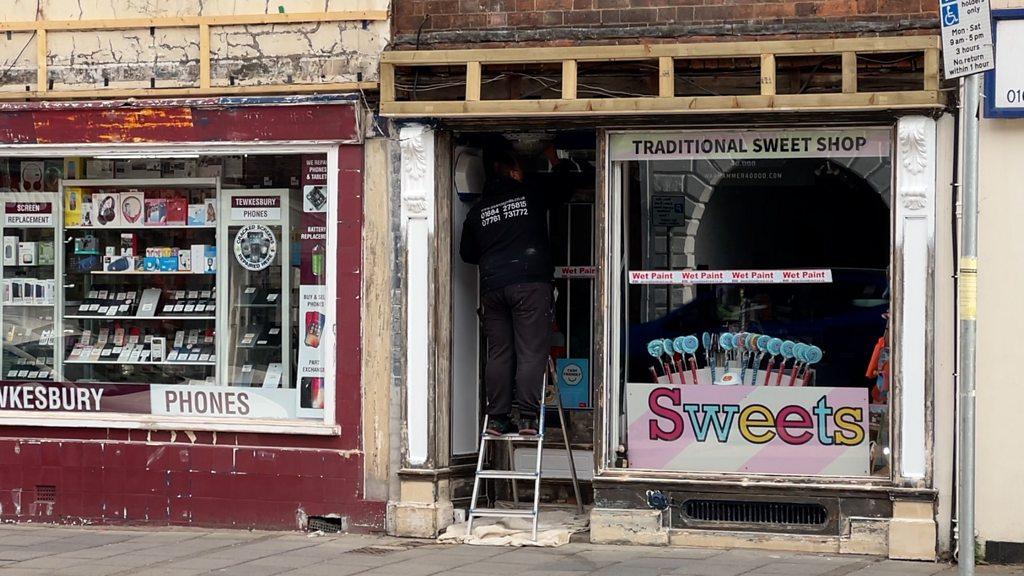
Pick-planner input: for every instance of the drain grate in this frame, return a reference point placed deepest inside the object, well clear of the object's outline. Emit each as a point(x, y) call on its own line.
point(46, 493)
point(736, 511)
point(383, 549)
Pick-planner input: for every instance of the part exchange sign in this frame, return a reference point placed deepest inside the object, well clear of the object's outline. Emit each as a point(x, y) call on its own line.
point(751, 144)
point(748, 429)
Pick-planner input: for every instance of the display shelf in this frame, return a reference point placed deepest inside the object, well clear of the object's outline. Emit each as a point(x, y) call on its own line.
point(138, 228)
point(28, 305)
point(149, 272)
point(105, 317)
point(140, 363)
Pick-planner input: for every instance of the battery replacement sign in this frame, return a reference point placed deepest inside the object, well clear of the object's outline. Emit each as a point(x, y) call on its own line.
point(752, 144)
point(966, 37)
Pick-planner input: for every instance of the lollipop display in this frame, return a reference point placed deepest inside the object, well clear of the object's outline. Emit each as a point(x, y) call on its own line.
point(729, 356)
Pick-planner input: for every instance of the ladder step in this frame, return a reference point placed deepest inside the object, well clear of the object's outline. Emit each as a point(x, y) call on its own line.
point(506, 474)
point(514, 438)
point(501, 513)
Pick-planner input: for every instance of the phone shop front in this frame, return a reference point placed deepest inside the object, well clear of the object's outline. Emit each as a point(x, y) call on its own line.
point(171, 295)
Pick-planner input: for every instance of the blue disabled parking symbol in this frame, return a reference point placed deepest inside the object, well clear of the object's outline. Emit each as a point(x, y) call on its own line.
point(950, 13)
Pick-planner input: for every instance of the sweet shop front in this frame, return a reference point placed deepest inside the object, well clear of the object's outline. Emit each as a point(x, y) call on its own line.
point(753, 321)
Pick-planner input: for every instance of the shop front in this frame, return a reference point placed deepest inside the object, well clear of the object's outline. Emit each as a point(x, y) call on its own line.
point(175, 276)
point(750, 318)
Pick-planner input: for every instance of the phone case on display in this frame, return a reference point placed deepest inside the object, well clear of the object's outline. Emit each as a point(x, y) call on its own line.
point(10, 250)
point(74, 205)
point(45, 253)
point(27, 255)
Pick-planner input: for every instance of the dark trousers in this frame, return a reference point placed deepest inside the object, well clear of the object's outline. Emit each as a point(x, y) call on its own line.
point(517, 323)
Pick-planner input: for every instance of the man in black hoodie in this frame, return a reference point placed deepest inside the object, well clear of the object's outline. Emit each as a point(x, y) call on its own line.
point(506, 234)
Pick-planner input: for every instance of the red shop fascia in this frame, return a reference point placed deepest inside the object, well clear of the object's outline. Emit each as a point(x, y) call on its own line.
point(153, 472)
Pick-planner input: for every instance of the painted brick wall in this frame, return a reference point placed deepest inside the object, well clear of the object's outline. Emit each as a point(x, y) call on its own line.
point(471, 21)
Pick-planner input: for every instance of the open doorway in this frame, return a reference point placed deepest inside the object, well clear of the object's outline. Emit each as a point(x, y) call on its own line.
point(571, 237)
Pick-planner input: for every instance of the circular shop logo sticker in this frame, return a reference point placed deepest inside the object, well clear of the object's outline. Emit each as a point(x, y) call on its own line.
point(572, 374)
point(255, 247)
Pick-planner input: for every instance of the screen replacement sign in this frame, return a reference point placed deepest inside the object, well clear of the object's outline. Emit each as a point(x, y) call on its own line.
point(966, 37)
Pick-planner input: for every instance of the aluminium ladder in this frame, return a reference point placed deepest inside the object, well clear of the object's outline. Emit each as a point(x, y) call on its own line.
point(512, 474)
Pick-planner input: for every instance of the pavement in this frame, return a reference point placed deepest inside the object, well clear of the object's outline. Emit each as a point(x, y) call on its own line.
point(38, 550)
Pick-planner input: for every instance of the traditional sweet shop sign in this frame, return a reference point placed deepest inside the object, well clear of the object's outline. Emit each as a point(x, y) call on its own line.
point(745, 144)
point(797, 276)
point(748, 429)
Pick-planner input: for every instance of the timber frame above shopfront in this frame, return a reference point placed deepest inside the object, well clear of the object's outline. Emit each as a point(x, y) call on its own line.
point(664, 58)
point(205, 26)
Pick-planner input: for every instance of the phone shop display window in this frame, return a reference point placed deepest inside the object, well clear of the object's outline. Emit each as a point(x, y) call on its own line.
point(173, 287)
point(754, 300)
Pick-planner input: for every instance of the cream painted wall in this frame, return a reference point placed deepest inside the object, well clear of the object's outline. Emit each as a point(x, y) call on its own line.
point(1000, 390)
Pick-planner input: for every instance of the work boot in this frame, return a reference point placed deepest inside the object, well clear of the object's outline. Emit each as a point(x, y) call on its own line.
point(528, 426)
point(499, 426)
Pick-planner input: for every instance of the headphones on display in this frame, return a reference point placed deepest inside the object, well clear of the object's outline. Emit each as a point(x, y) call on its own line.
point(131, 208)
point(106, 212)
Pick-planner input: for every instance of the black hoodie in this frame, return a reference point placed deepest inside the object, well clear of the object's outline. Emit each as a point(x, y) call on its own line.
point(506, 234)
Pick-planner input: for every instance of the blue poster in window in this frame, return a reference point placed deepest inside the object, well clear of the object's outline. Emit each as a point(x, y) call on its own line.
point(574, 382)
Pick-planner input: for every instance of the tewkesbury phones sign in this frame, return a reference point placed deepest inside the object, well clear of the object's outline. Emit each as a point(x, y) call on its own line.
point(966, 37)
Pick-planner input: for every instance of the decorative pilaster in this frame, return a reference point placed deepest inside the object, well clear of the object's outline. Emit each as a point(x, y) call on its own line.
point(424, 507)
point(914, 249)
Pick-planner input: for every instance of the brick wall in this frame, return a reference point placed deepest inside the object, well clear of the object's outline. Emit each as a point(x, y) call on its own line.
point(542, 21)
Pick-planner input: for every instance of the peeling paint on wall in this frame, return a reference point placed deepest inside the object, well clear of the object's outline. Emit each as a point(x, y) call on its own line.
point(305, 53)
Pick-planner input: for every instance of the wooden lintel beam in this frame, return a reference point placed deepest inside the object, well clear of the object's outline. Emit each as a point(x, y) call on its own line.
point(192, 21)
point(326, 88)
point(931, 69)
point(387, 83)
point(646, 52)
point(666, 77)
point(849, 72)
point(204, 55)
point(42, 74)
point(569, 78)
point(474, 71)
point(657, 105)
point(767, 74)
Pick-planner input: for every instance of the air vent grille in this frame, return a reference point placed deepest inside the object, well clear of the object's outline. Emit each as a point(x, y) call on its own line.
point(46, 493)
point(734, 511)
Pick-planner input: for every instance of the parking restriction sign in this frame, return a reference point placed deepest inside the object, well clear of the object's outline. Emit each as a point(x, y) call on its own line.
point(966, 37)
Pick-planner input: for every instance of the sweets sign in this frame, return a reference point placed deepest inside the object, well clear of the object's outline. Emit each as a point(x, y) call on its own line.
point(752, 429)
point(747, 144)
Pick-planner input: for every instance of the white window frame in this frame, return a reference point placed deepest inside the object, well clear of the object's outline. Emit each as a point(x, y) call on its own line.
point(328, 426)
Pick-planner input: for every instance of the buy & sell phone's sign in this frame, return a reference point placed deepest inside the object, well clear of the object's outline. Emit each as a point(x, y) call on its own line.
point(748, 429)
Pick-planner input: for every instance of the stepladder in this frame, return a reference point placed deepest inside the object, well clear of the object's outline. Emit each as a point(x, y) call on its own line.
point(512, 474)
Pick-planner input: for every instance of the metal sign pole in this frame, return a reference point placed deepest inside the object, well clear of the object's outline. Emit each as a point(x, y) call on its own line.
point(968, 282)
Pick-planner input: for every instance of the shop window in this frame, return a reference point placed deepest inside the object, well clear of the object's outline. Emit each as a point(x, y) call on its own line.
point(186, 287)
point(753, 301)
